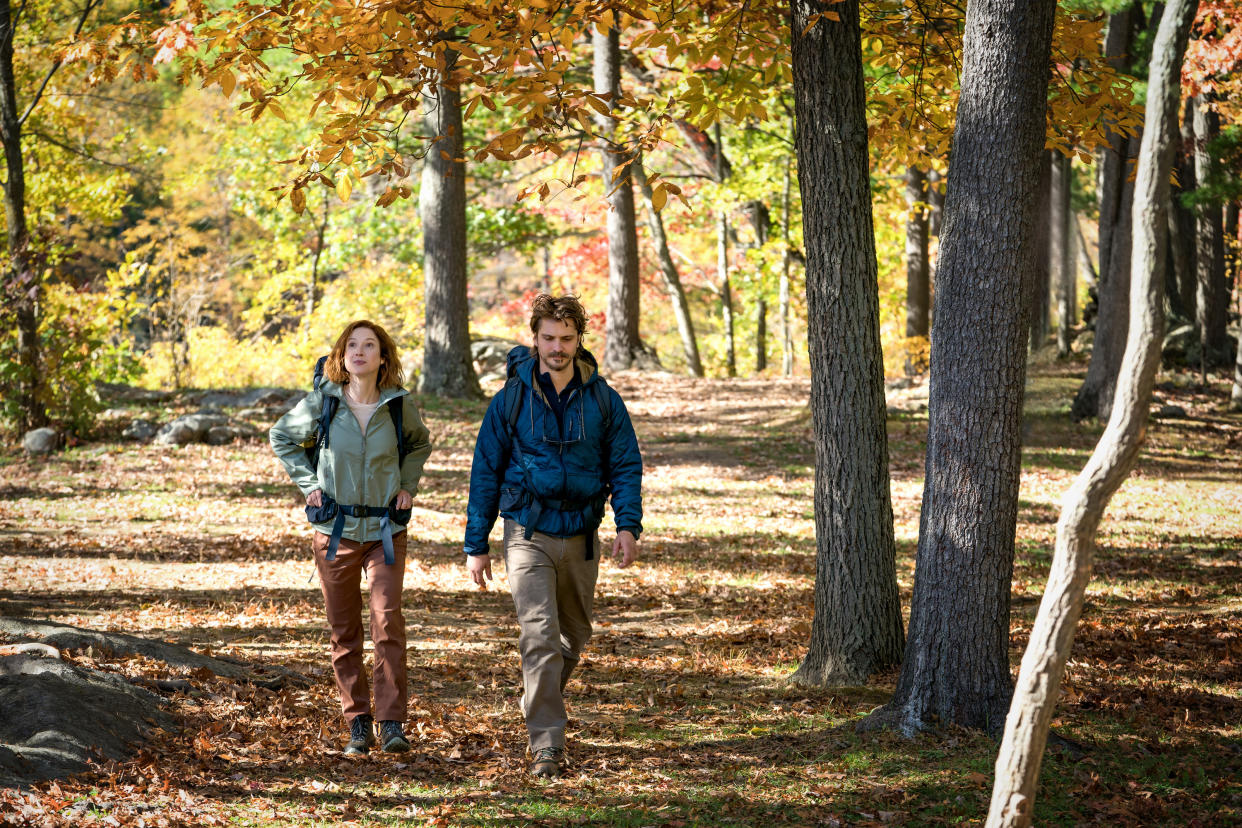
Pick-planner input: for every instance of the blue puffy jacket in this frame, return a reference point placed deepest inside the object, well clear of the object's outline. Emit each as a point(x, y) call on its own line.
point(560, 481)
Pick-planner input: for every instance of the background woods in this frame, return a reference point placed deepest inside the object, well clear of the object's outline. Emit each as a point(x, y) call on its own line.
point(866, 273)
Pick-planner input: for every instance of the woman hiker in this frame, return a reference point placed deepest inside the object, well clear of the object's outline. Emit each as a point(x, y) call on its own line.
point(359, 472)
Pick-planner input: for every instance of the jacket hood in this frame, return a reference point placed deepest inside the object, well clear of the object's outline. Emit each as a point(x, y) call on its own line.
point(521, 363)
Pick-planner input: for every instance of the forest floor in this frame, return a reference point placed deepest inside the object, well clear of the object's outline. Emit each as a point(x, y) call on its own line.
point(681, 714)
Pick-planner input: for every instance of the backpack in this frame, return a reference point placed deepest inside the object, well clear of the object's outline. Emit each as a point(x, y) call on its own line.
point(319, 437)
point(513, 405)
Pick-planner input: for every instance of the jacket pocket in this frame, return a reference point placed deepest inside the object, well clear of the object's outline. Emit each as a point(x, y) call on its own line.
point(511, 499)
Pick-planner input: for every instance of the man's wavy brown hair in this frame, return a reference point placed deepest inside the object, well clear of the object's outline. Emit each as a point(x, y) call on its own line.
point(390, 373)
point(565, 308)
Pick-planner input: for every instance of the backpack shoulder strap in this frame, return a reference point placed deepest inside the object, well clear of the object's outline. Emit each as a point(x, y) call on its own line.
point(326, 412)
point(395, 411)
point(513, 403)
point(317, 379)
point(604, 401)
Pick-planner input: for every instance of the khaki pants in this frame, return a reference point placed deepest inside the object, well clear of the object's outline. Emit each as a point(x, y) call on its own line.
point(342, 597)
point(553, 586)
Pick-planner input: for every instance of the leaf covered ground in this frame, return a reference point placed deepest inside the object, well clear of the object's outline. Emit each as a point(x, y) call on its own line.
point(680, 714)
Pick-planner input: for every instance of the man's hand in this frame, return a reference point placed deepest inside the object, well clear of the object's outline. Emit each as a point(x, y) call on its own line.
point(625, 548)
point(480, 567)
point(405, 500)
point(315, 498)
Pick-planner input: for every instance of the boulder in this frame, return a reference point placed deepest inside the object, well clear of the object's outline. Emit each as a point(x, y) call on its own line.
point(222, 434)
point(41, 441)
point(191, 428)
point(140, 430)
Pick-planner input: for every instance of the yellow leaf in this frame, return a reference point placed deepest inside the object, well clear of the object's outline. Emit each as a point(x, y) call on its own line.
point(297, 200)
point(659, 197)
point(344, 186)
point(227, 83)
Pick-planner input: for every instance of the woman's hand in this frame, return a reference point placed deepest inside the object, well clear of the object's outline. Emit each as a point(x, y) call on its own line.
point(315, 498)
point(405, 500)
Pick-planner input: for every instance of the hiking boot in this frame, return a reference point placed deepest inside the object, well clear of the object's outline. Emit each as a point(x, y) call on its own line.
point(391, 737)
point(549, 762)
point(361, 735)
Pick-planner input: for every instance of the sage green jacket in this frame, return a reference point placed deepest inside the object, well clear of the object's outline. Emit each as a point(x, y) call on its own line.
point(355, 469)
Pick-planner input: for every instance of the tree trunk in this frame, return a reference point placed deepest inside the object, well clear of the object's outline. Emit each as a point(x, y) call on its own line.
point(1181, 218)
point(1095, 396)
point(1061, 247)
point(1041, 285)
point(1211, 297)
point(786, 326)
point(622, 344)
point(312, 281)
point(448, 370)
point(668, 269)
point(1043, 664)
point(935, 202)
point(722, 265)
point(918, 285)
point(956, 663)
point(23, 286)
point(761, 335)
point(856, 628)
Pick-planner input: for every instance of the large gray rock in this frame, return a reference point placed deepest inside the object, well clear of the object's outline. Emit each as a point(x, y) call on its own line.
point(141, 430)
point(220, 435)
point(191, 428)
point(41, 441)
point(58, 716)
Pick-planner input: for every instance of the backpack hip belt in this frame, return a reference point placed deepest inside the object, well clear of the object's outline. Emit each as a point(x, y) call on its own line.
point(592, 514)
point(337, 512)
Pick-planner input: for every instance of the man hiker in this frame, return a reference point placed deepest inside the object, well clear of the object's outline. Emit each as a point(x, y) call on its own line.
point(555, 443)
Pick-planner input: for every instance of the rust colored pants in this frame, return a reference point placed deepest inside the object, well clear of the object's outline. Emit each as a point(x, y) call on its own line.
point(342, 597)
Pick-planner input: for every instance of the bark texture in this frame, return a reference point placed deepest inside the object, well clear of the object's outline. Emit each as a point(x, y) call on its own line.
point(918, 273)
point(857, 623)
point(622, 345)
point(1041, 277)
point(956, 664)
point(786, 325)
point(722, 265)
point(668, 269)
point(1061, 249)
point(1181, 218)
point(1212, 294)
point(447, 367)
point(21, 281)
point(1043, 664)
point(1095, 396)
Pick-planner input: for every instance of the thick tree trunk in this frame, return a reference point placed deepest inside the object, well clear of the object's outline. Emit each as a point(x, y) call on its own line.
point(1061, 247)
point(918, 283)
point(786, 324)
point(1043, 664)
point(1095, 396)
point(447, 367)
point(622, 345)
point(956, 663)
point(668, 269)
point(857, 623)
point(1212, 295)
point(1041, 279)
point(23, 286)
point(1181, 218)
